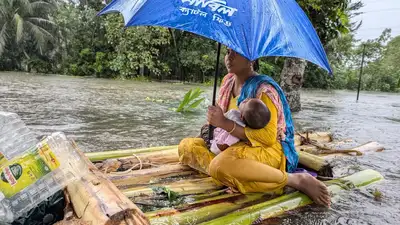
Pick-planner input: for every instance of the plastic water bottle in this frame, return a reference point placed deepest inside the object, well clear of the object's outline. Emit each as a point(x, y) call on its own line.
point(36, 173)
point(15, 136)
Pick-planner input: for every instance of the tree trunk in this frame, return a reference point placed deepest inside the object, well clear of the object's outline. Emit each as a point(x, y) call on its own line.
point(292, 78)
point(177, 54)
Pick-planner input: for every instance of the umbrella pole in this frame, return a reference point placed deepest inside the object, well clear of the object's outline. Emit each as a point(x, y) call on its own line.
point(210, 127)
point(216, 74)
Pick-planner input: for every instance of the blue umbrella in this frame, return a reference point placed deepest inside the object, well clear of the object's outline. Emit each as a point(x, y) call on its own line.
point(252, 28)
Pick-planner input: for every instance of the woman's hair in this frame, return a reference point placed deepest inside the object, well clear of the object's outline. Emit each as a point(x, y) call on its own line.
point(256, 65)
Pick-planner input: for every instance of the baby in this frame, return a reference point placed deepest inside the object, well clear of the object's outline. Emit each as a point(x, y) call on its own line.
point(252, 113)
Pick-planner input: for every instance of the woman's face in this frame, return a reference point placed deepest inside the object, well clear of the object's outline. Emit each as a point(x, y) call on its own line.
point(235, 63)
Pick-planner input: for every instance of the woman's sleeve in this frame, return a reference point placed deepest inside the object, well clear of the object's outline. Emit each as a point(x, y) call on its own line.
point(266, 136)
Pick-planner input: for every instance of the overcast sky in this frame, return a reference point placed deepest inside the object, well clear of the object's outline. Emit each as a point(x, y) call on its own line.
point(379, 14)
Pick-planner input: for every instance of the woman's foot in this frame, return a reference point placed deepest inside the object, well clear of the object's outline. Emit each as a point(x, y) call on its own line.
point(310, 186)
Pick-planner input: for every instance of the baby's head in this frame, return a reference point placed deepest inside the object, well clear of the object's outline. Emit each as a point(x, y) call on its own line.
point(255, 113)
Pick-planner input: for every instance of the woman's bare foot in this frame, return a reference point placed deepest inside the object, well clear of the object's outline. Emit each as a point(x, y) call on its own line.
point(310, 186)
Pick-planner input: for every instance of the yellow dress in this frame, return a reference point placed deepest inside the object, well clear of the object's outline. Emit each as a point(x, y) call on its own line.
point(256, 166)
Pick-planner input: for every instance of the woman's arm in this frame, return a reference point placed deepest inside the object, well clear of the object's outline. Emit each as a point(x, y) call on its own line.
point(239, 131)
point(264, 136)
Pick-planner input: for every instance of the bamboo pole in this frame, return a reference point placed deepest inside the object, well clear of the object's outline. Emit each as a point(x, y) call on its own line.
point(96, 200)
point(278, 206)
point(321, 137)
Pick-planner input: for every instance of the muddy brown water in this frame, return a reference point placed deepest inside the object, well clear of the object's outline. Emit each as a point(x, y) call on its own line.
point(113, 114)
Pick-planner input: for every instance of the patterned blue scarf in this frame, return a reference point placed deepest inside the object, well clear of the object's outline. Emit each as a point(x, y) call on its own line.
point(249, 90)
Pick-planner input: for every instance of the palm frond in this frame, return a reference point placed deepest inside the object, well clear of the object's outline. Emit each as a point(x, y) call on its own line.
point(3, 38)
point(41, 21)
point(19, 24)
point(43, 5)
point(41, 35)
point(25, 7)
point(4, 9)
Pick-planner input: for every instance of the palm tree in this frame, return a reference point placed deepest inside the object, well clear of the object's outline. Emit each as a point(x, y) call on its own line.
point(26, 20)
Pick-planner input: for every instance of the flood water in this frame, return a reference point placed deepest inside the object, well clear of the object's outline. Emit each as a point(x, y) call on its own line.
point(112, 114)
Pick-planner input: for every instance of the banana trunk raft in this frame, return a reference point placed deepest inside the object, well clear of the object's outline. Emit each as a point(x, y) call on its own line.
point(149, 186)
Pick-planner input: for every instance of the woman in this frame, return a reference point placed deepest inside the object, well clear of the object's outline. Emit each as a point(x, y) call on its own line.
point(258, 162)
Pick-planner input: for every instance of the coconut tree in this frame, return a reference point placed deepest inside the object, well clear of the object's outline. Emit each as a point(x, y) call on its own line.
point(25, 26)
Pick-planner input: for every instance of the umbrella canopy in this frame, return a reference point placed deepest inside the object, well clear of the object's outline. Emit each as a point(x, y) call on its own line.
point(252, 28)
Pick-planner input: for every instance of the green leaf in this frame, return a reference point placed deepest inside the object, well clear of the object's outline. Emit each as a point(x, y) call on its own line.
point(196, 103)
point(196, 93)
point(170, 194)
point(185, 101)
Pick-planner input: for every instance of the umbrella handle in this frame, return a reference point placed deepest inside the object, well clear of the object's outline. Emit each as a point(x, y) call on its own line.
point(211, 127)
point(210, 134)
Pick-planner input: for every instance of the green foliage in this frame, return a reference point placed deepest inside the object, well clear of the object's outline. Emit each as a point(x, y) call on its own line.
point(135, 47)
point(172, 196)
point(271, 67)
point(83, 48)
point(381, 68)
point(331, 18)
point(191, 100)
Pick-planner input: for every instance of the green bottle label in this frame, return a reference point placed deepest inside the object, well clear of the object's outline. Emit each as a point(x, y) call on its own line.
point(23, 171)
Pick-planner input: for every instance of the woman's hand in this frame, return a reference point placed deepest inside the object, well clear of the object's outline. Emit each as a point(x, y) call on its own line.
point(215, 116)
